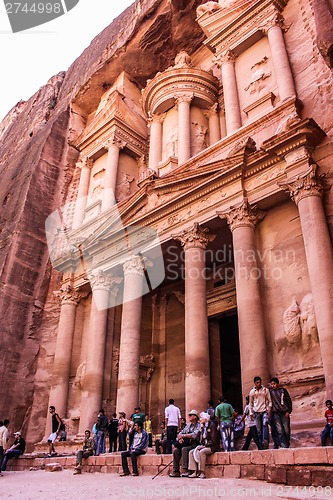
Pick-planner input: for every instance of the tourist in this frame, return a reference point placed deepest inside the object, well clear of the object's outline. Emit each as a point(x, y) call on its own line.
point(138, 447)
point(137, 416)
point(187, 439)
point(161, 442)
point(281, 410)
point(56, 424)
point(211, 410)
point(3, 438)
point(328, 429)
point(172, 422)
point(14, 451)
point(88, 450)
point(122, 431)
point(182, 423)
point(113, 433)
point(102, 428)
point(238, 425)
point(207, 446)
point(224, 414)
point(261, 408)
point(253, 433)
point(147, 428)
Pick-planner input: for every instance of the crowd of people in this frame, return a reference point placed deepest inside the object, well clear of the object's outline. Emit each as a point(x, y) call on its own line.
point(189, 442)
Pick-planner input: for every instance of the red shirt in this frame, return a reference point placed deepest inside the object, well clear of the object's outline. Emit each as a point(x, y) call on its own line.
point(329, 416)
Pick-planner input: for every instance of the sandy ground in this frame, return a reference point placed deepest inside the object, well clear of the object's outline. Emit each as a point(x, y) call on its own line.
point(41, 485)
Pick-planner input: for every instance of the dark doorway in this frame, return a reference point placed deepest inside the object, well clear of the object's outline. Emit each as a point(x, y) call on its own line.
point(230, 360)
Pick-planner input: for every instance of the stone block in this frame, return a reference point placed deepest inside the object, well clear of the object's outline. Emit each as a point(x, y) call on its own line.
point(329, 452)
point(214, 471)
point(90, 460)
point(240, 457)
point(148, 470)
point(284, 456)
point(322, 477)
point(109, 460)
point(104, 469)
point(307, 456)
point(100, 460)
point(274, 474)
point(253, 471)
point(117, 460)
point(53, 467)
point(145, 460)
point(223, 458)
point(265, 457)
point(232, 471)
point(298, 477)
point(70, 461)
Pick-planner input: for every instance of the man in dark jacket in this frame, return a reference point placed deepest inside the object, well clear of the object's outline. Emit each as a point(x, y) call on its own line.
point(113, 433)
point(102, 428)
point(208, 444)
point(281, 410)
point(138, 447)
point(15, 450)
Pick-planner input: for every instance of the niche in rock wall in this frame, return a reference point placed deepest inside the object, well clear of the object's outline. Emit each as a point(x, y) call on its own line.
point(257, 88)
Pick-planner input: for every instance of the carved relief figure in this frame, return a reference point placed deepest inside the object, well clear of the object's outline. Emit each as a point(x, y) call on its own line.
point(98, 185)
point(198, 138)
point(300, 326)
point(124, 186)
point(209, 7)
point(79, 376)
point(170, 146)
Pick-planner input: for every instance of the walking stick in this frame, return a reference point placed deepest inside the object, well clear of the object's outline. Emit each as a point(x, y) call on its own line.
point(168, 465)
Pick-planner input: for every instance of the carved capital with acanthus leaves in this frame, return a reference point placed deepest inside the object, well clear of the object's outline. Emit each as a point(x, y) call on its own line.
point(226, 57)
point(84, 161)
point(68, 295)
point(135, 265)
point(307, 184)
point(114, 141)
point(276, 21)
point(212, 111)
point(156, 118)
point(100, 280)
point(195, 237)
point(242, 215)
point(184, 98)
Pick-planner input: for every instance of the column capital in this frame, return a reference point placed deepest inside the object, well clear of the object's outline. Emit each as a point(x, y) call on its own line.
point(114, 141)
point(184, 98)
point(135, 265)
point(303, 185)
point(211, 111)
point(194, 237)
point(100, 280)
point(155, 117)
point(226, 57)
point(276, 21)
point(84, 161)
point(242, 215)
point(68, 295)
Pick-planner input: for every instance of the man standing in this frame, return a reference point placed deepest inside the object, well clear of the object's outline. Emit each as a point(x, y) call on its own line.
point(260, 403)
point(172, 421)
point(113, 433)
point(224, 414)
point(87, 451)
point(187, 440)
point(3, 438)
point(328, 429)
point(102, 428)
point(15, 450)
point(138, 447)
point(281, 410)
point(56, 424)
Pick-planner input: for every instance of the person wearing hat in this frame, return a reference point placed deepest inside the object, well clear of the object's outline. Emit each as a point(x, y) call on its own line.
point(15, 450)
point(187, 439)
point(122, 431)
point(207, 445)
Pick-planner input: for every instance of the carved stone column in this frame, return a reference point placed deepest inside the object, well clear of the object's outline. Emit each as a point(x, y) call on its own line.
point(70, 299)
point(85, 165)
point(214, 124)
point(306, 191)
point(184, 127)
point(197, 365)
point(253, 349)
point(155, 144)
point(91, 397)
point(283, 74)
point(113, 146)
point(231, 101)
point(129, 359)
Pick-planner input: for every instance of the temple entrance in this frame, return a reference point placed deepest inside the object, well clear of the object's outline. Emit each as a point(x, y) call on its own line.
point(230, 359)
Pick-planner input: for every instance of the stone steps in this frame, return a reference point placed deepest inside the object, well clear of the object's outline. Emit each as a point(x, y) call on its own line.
point(293, 466)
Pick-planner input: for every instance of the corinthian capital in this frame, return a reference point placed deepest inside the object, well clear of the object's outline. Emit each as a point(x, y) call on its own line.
point(226, 57)
point(303, 185)
point(154, 117)
point(135, 265)
point(100, 280)
point(114, 141)
point(184, 98)
point(68, 295)
point(84, 161)
point(195, 237)
point(211, 111)
point(276, 20)
point(242, 215)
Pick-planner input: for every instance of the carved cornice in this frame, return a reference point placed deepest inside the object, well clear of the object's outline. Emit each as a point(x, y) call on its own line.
point(68, 295)
point(304, 185)
point(135, 265)
point(195, 237)
point(242, 215)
